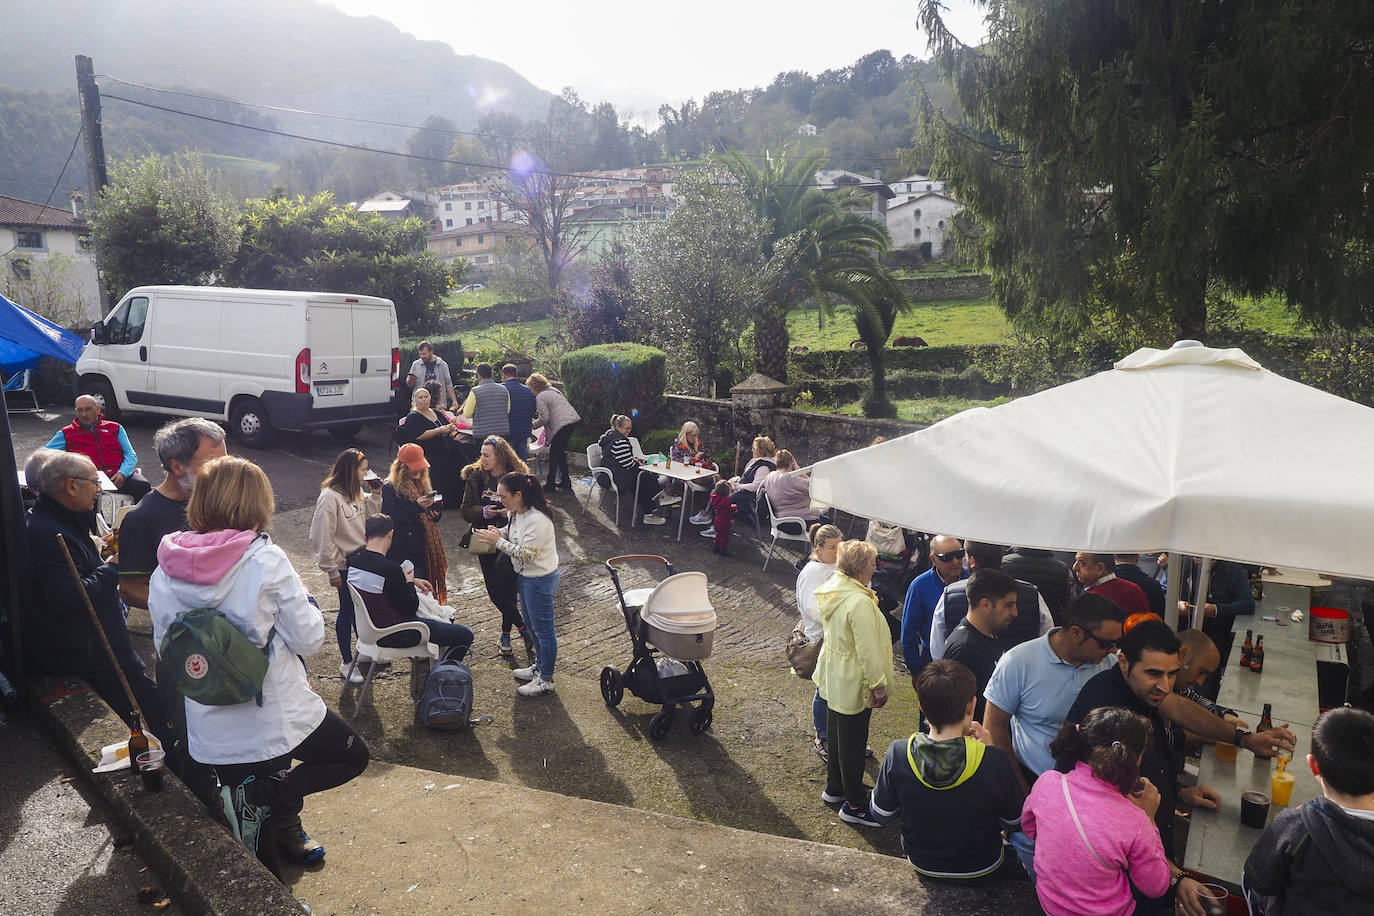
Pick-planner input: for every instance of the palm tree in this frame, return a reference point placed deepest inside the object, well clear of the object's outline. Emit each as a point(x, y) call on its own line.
point(819, 250)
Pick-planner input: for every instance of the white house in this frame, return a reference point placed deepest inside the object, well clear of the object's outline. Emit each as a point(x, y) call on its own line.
point(921, 218)
point(908, 187)
point(806, 130)
point(31, 234)
point(467, 204)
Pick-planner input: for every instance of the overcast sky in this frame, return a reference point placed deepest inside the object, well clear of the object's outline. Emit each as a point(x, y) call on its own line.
point(640, 55)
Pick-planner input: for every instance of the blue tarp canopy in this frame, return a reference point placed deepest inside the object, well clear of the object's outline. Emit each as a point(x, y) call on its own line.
point(25, 338)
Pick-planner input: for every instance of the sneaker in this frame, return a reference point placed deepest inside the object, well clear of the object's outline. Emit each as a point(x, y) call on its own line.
point(528, 641)
point(654, 520)
point(666, 500)
point(701, 518)
point(709, 532)
point(535, 687)
point(292, 840)
point(526, 674)
point(860, 816)
point(505, 645)
point(356, 677)
point(831, 796)
point(869, 752)
point(822, 751)
point(250, 817)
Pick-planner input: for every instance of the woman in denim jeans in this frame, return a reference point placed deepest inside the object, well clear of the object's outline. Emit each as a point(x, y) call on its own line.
point(529, 542)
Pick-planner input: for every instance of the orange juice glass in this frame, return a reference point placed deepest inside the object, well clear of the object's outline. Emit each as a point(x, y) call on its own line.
point(1281, 786)
point(1226, 750)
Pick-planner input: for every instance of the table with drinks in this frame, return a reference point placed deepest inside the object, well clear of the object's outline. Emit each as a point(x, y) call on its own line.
point(1254, 789)
point(695, 474)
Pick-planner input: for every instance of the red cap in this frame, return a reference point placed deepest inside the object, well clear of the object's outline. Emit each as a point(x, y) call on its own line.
point(413, 456)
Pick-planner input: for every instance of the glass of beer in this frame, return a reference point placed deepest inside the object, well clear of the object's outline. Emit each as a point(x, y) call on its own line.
point(1226, 750)
point(1281, 786)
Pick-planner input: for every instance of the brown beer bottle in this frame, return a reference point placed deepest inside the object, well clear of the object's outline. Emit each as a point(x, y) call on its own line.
point(1247, 648)
point(1267, 718)
point(1257, 656)
point(138, 744)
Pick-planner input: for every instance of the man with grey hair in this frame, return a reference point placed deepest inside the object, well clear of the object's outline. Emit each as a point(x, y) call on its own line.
point(59, 635)
point(106, 444)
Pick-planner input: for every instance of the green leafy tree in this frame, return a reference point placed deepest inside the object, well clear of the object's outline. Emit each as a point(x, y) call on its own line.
point(160, 221)
point(1124, 158)
point(433, 141)
point(819, 249)
point(314, 244)
point(602, 312)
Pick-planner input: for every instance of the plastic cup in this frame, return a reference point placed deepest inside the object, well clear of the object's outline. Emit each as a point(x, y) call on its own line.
point(1213, 898)
point(1226, 751)
point(1281, 787)
point(1254, 809)
point(152, 768)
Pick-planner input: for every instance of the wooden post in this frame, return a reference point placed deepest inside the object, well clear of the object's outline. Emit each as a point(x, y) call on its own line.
point(94, 144)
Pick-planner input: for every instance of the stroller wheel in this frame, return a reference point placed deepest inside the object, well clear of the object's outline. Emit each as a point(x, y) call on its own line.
point(660, 725)
point(612, 688)
point(700, 720)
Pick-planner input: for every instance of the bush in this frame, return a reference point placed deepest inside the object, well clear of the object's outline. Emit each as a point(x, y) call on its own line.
point(657, 441)
point(854, 363)
point(614, 378)
point(449, 348)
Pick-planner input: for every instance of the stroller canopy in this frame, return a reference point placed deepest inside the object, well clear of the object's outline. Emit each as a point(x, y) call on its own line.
point(679, 605)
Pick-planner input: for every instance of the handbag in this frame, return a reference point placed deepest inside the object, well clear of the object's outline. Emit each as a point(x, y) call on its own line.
point(475, 546)
point(802, 652)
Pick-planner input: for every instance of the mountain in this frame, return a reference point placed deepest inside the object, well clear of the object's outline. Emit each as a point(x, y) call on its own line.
point(292, 53)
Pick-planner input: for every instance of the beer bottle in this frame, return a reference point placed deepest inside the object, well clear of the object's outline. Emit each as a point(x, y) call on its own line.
point(1257, 656)
point(1247, 648)
point(138, 744)
point(1267, 718)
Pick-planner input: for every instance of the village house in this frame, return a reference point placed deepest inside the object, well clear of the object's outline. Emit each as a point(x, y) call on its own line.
point(923, 219)
point(31, 234)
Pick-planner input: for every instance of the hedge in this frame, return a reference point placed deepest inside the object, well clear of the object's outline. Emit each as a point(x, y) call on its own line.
point(906, 383)
point(607, 379)
point(854, 363)
point(449, 348)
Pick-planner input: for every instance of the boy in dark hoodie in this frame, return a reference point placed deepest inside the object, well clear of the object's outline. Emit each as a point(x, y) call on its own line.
point(1319, 858)
point(953, 777)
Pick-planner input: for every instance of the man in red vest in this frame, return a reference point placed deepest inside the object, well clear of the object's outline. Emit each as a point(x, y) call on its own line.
point(106, 444)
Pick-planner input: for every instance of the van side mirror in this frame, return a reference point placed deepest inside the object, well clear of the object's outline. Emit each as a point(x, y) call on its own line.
point(98, 332)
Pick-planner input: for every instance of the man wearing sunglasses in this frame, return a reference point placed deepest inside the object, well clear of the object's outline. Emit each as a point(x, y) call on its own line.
point(1034, 618)
point(918, 611)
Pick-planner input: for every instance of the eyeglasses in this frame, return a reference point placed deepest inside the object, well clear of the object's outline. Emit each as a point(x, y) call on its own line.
point(952, 555)
point(94, 480)
point(1106, 645)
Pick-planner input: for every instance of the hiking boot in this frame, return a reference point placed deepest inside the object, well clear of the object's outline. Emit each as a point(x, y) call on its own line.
point(654, 520)
point(505, 645)
point(250, 817)
point(860, 816)
point(832, 796)
point(526, 674)
point(535, 687)
point(356, 677)
point(292, 840)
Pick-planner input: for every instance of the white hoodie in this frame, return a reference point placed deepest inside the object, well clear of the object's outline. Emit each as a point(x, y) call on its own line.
point(252, 582)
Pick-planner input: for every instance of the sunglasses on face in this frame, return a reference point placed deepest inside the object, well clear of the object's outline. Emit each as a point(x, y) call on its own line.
point(952, 555)
point(1106, 645)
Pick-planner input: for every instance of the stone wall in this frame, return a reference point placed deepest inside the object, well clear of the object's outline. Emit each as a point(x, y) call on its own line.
point(936, 289)
point(500, 313)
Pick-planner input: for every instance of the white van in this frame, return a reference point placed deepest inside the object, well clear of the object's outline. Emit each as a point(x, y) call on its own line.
point(256, 359)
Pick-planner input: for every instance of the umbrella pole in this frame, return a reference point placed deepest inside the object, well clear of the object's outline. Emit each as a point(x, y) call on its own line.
point(1171, 592)
point(1204, 573)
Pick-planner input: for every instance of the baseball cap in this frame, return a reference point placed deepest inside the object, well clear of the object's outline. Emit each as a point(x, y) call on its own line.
point(413, 456)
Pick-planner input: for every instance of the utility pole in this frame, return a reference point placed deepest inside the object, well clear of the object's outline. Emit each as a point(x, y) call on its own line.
point(94, 143)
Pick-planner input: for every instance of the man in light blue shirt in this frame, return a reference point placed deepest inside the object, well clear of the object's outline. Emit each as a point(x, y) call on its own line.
point(946, 566)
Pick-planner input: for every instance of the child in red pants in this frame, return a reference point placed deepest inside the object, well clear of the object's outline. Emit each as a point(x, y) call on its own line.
point(723, 517)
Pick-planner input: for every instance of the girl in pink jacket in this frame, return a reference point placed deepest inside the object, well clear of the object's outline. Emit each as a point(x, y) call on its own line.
point(1093, 827)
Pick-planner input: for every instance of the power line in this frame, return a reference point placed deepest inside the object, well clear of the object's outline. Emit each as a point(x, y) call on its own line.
point(56, 182)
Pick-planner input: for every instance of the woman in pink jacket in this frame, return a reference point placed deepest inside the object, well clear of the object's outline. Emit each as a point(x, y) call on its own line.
point(1093, 827)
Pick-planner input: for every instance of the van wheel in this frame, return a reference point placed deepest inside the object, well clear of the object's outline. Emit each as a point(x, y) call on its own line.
point(104, 396)
point(345, 433)
point(249, 425)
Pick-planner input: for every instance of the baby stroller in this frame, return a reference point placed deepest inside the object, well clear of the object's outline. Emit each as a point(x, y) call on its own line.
point(671, 628)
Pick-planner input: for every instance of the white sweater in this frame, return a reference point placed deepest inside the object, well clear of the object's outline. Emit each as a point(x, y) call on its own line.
point(813, 575)
point(336, 529)
point(529, 542)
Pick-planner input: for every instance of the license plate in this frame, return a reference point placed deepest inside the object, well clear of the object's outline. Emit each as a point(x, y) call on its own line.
point(325, 391)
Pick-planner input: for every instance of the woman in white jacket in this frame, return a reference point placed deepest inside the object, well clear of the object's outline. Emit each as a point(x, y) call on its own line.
point(529, 542)
point(227, 561)
point(825, 541)
point(344, 505)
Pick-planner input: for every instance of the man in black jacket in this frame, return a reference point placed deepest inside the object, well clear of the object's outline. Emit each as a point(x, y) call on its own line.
point(59, 636)
point(1128, 568)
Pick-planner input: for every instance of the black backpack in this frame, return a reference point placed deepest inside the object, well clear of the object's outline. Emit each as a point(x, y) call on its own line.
point(446, 704)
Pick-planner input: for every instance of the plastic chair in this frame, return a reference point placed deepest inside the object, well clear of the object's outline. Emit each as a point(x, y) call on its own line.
point(369, 636)
point(778, 534)
point(20, 385)
point(601, 472)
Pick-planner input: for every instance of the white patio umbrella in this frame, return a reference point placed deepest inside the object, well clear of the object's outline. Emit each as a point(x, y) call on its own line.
point(1193, 450)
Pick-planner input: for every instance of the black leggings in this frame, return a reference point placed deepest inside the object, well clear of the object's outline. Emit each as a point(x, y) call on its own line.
point(846, 738)
point(649, 487)
point(558, 455)
point(503, 588)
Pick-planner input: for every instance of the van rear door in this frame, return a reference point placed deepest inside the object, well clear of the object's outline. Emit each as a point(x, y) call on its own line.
point(332, 366)
point(373, 333)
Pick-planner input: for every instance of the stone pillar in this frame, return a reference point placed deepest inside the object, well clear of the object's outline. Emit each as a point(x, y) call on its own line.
point(753, 402)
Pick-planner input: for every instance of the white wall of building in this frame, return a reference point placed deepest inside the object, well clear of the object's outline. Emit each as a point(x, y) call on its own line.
point(927, 218)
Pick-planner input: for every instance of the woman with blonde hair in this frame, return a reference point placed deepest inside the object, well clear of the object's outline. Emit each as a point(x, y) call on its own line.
point(415, 508)
point(745, 493)
point(482, 508)
point(558, 418)
point(227, 561)
point(853, 674)
point(820, 566)
point(336, 530)
point(433, 430)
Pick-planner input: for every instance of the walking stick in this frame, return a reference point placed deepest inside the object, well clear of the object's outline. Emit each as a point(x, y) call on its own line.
point(100, 630)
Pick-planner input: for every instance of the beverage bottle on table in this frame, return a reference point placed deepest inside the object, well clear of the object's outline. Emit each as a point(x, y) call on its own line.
point(138, 743)
point(1247, 648)
point(1257, 657)
point(1267, 718)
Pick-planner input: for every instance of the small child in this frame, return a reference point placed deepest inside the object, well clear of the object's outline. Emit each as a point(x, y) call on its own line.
point(1319, 858)
point(959, 782)
point(723, 517)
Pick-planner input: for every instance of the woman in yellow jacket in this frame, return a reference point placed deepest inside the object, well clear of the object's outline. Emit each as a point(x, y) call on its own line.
point(853, 673)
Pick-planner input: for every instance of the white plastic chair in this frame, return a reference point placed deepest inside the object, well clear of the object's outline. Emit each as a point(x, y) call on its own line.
point(778, 534)
point(601, 472)
point(368, 637)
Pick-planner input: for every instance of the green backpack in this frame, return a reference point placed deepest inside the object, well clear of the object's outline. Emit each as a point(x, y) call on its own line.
point(211, 661)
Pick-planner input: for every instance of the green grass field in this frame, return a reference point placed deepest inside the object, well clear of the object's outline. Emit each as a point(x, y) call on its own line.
point(975, 321)
point(238, 164)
